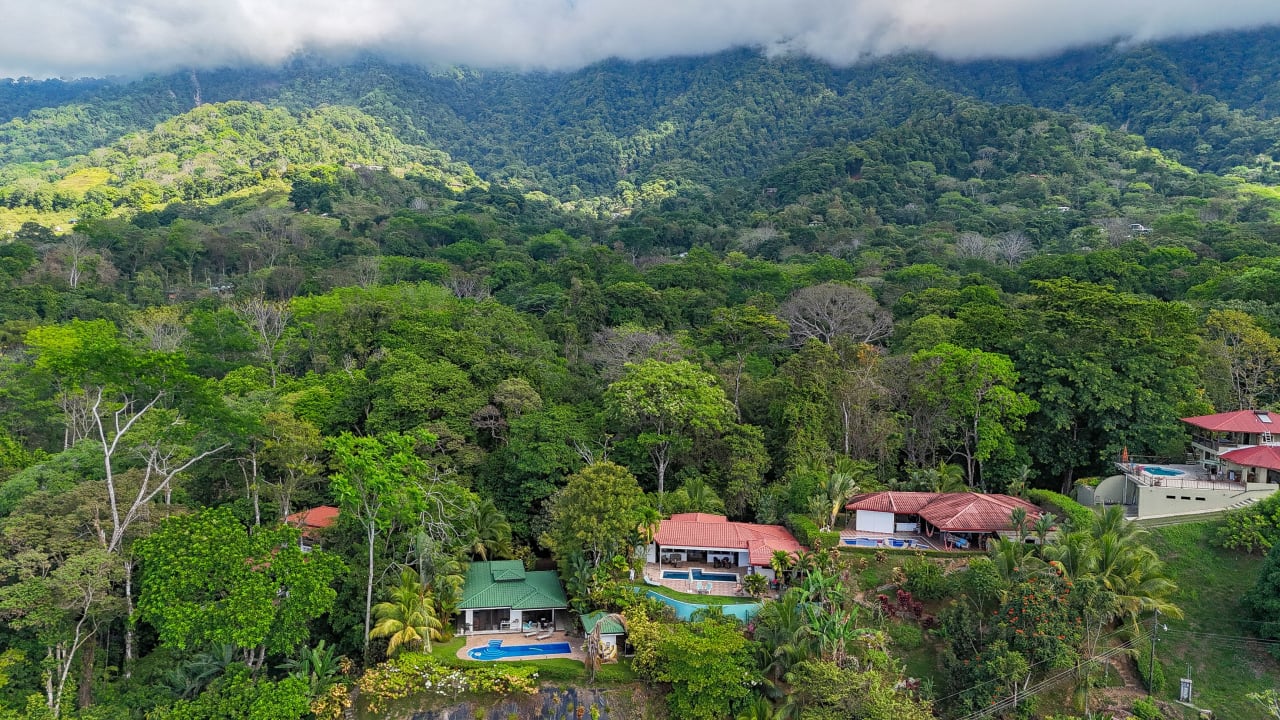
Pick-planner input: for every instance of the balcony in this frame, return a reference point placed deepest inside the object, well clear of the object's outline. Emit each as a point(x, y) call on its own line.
point(1169, 475)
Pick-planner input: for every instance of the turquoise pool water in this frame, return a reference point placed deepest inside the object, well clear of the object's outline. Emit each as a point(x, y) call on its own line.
point(1164, 471)
point(698, 574)
point(742, 611)
point(495, 650)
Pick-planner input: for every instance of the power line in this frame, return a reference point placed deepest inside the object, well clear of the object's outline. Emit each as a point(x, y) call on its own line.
point(1116, 632)
point(1018, 696)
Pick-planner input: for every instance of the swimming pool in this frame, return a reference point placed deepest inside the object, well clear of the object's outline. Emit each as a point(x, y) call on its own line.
point(495, 650)
point(862, 542)
point(1163, 471)
point(698, 574)
point(684, 610)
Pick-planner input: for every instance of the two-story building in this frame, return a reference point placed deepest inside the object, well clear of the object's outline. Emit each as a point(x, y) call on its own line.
point(1233, 461)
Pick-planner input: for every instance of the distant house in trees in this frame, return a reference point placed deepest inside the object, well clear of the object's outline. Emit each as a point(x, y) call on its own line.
point(501, 596)
point(1233, 461)
point(960, 519)
point(312, 521)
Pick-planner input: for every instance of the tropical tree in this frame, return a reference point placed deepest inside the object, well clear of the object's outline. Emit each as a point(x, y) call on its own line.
point(408, 620)
point(491, 533)
point(596, 514)
point(842, 483)
point(666, 405)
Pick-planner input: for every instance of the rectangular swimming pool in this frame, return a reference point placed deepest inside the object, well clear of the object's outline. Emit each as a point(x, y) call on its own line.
point(698, 574)
point(495, 650)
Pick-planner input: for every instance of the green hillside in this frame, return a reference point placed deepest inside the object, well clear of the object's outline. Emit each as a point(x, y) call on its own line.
point(490, 315)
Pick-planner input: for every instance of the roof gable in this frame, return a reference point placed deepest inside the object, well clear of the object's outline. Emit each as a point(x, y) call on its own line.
point(506, 570)
point(317, 517)
point(610, 626)
point(1245, 421)
point(957, 512)
point(701, 530)
point(1259, 456)
point(534, 591)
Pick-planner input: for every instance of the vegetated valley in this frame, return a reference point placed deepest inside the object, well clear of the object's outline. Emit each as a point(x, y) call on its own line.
point(505, 350)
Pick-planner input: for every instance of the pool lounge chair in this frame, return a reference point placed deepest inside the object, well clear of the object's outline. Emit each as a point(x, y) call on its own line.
point(530, 629)
point(545, 636)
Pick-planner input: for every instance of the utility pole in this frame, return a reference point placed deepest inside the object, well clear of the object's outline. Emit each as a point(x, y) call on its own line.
point(1151, 666)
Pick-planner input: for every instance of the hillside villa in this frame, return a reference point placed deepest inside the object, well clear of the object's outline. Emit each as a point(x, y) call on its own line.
point(500, 596)
point(961, 520)
point(700, 552)
point(1233, 461)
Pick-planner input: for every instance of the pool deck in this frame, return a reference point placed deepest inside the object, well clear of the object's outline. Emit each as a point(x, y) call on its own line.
point(929, 543)
point(474, 641)
point(653, 574)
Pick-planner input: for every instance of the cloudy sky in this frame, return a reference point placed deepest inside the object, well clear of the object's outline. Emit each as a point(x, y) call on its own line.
point(45, 38)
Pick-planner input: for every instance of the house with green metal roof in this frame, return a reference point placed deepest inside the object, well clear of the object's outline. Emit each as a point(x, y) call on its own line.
point(501, 596)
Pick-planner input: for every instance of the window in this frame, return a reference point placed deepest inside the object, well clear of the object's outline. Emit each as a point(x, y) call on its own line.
point(1200, 499)
point(1263, 417)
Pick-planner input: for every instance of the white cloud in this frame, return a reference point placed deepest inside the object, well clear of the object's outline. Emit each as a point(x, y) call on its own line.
point(95, 37)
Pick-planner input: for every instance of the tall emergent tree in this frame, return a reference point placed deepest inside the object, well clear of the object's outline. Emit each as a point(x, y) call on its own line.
point(667, 404)
point(379, 481)
point(597, 515)
point(980, 408)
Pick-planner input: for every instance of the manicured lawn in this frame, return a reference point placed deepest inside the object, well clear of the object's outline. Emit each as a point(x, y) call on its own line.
point(1210, 583)
point(557, 669)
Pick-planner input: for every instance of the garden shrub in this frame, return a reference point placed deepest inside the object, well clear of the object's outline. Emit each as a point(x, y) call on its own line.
point(1152, 679)
point(926, 579)
point(1145, 709)
point(418, 674)
point(1078, 516)
point(1252, 529)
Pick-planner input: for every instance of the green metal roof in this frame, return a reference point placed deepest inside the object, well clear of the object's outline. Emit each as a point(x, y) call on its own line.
point(611, 625)
point(504, 570)
point(505, 584)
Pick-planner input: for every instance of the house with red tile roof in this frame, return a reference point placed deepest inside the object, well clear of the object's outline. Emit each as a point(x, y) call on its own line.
point(312, 521)
point(706, 538)
point(1233, 461)
point(971, 517)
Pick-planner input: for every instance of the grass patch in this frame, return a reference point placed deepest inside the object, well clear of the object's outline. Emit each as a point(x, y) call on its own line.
point(82, 180)
point(699, 599)
point(551, 669)
point(1210, 583)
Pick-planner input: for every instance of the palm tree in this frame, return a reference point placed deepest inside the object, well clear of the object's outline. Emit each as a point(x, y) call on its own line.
point(759, 709)
point(781, 562)
point(1019, 519)
point(1043, 525)
point(700, 496)
point(949, 478)
point(842, 483)
point(408, 619)
point(491, 531)
point(783, 634)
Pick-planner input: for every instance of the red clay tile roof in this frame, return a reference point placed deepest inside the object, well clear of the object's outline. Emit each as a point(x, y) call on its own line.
point(1245, 421)
point(976, 512)
point(701, 530)
point(316, 517)
point(1260, 456)
point(699, 517)
point(907, 503)
point(954, 512)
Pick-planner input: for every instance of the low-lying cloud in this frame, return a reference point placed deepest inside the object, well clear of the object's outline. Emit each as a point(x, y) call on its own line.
point(98, 37)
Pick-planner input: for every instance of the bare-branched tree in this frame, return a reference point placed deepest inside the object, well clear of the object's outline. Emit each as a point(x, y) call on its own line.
point(832, 310)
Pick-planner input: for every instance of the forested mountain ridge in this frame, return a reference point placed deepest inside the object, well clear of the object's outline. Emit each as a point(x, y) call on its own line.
point(490, 315)
point(613, 121)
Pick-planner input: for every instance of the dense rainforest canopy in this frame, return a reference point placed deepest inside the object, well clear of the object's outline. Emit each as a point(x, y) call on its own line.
point(499, 315)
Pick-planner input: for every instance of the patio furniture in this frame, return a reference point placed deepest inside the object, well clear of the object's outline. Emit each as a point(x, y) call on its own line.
point(504, 624)
point(544, 636)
